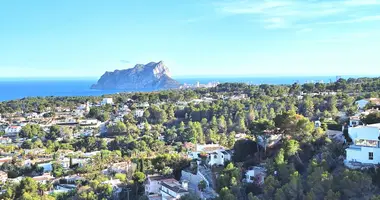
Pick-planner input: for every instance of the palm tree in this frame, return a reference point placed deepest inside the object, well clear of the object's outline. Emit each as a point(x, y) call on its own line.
point(41, 188)
point(49, 186)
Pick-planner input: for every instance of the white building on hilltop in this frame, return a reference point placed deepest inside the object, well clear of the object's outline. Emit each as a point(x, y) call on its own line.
point(139, 113)
point(12, 130)
point(106, 101)
point(255, 175)
point(162, 188)
point(216, 154)
point(366, 146)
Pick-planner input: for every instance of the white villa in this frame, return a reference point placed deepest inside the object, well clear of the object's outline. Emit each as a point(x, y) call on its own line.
point(172, 189)
point(139, 113)
point(366, 147)
point(106, 101)
point(90, 122)
point(162, 188)
point(216, 154)
point(255, 175)
point(12, 130)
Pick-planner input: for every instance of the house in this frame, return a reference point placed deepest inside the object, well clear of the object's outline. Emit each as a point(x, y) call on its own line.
point(121, 167)
point(143, 105)
point(269, 139)
point(15, 180)
point(119, 118)
point(106, 101)
point(72, 179)
point(3, 176)
point(153, 184)
point(139, 113)
point(213, 153)
point(362, 103)
point(89, 122)
point(45, 178)
point(167, 188)
point(143, 125)
point(12, 130)
point(317, 124)
point(91, 154)
point(240, 136)
point(366, 147)
point(84, 107)
point(124, 108)
point(239, 97)
point(171, 189)
point(63, 188)
point(375, 101)
point(32, 115)
point(255, 175)
point(355, 121)
point(80, 162)
point(5, 140)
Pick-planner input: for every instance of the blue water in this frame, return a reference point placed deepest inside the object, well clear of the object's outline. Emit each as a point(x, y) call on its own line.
point(19, 88)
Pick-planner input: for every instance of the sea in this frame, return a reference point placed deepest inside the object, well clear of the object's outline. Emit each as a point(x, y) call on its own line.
point(17, 88)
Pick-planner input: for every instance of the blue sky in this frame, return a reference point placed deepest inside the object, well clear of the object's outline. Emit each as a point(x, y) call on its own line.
point(72, 38)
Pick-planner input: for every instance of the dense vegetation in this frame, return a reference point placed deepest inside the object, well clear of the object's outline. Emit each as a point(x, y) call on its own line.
point(306, 164)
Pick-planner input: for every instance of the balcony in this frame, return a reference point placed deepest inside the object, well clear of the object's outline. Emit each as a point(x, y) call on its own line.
point(355, 147)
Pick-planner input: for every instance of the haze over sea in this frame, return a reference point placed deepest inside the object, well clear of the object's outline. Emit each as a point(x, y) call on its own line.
point(17, 88)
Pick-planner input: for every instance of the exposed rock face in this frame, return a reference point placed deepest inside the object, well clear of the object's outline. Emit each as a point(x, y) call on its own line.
point(152, 76)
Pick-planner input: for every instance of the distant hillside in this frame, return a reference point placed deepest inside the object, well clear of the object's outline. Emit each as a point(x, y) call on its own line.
point(150, 76)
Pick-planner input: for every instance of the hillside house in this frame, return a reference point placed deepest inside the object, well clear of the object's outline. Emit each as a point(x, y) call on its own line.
point(255, 175)
point(172, 189)
point(89, 122)
point(143, 105)
point(121, 167)
point(355, 121)
point(45, 178)
point(153, 184)
point(159, 187)
point(32, 115)
point(106, 101)
point(213, 153)
point(139, 113)
point(366, 147)
point(5, 140)
point(12, 130)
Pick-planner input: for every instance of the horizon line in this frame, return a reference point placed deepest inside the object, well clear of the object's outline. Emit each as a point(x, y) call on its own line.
point(203, 76)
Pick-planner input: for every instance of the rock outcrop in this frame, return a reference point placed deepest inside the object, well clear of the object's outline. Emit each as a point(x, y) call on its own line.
point(152, 76)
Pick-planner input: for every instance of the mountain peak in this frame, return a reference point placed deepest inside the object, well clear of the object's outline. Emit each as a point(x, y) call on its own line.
point(153, 75)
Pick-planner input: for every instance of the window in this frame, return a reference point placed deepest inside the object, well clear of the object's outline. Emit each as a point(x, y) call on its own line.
point(370, 155)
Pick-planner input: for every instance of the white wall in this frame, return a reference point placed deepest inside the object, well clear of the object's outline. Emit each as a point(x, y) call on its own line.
point(362, 155)
point(153, 187)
